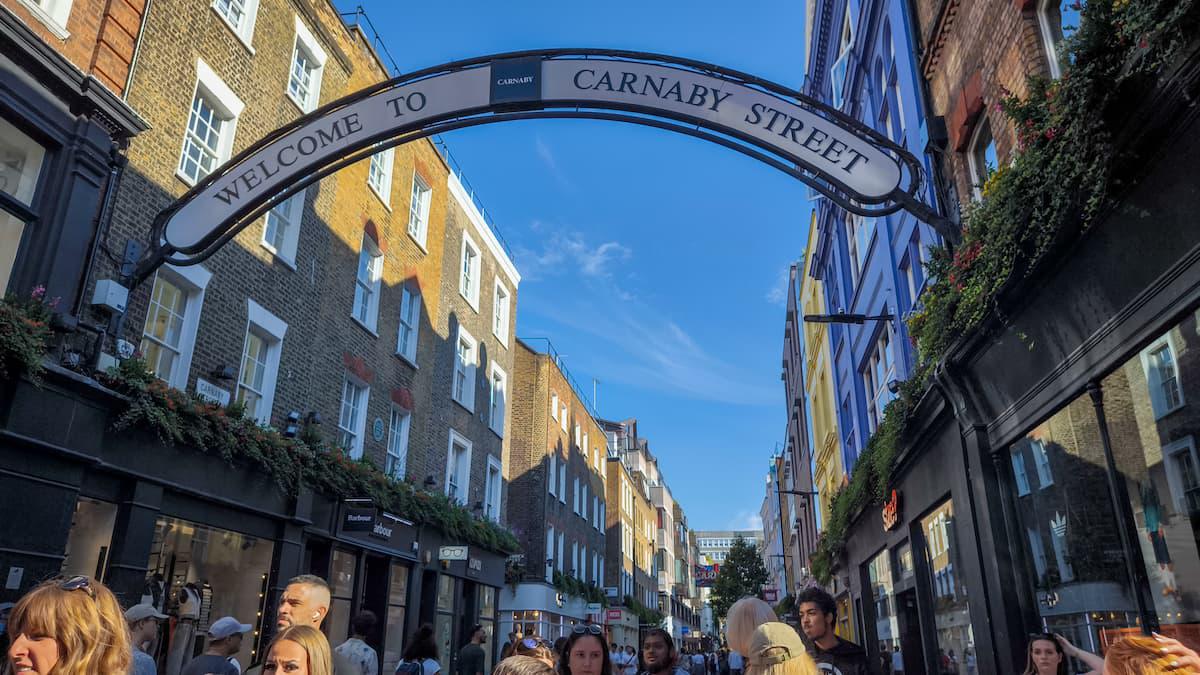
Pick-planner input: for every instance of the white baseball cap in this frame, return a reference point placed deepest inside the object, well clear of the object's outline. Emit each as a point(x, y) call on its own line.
point(226, 626)
point(143, 611)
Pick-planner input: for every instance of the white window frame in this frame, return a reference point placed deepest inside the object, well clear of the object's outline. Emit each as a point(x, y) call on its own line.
point(225, 103)
point(359, 431)
point(381, 165)
point(271, 330)
point(550, 555)
point(410, 321)
point(1175, 481)
point(578, 436)
point(1154, 385)
point(501, 311)
point(497, 410)
point(562, 481)
point(575, 559)
point(575, 495)
point(1041, 462)
point(397, 442)
point(289, 215)
point(1020, 474)
point(977, 177)
point(493, 491)
point(596, 511)
point(845, 50)
point(470, 271)
point(554, 406)
point(418, 210)
point(372, 284)
point(192, 280)
point(244, 31)
point(562, 539)
point(552, 472)
point(467, 367)
point(52, 13)
point(307, 44)
point(463, 475)
point(583, 500)
point(566, 413)
point(1053, 58)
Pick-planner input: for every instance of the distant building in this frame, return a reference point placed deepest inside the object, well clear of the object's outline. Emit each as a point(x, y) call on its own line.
point(557, 502)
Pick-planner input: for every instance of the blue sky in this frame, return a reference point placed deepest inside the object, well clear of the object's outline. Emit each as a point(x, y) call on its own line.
point(654, 262)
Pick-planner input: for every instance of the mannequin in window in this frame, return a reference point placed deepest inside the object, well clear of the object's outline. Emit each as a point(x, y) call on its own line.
point(183, 639)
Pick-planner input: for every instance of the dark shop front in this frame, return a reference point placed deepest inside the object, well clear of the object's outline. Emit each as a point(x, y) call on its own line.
point(200, 539)
point(1063, 494)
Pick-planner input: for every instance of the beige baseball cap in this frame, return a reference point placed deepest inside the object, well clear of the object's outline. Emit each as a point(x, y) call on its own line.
point(143, 611)
point(773, 643)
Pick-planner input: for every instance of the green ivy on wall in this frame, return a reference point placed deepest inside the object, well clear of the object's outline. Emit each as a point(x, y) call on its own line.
point(1060, 180)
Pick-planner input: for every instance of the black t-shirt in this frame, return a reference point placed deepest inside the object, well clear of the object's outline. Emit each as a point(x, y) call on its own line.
point(471, 660)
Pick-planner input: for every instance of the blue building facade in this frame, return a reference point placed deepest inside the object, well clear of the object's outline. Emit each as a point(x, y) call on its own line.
point(861, 59)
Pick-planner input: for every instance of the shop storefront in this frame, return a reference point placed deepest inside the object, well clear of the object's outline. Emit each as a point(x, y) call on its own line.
point(622, 626)
point(459, 587)
point(1050, 478)
point(539, 610)
point(368, 556)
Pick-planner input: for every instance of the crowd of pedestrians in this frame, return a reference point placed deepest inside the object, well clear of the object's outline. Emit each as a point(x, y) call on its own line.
point(76, 627)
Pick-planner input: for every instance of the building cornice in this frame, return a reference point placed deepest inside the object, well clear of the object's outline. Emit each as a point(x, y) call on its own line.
point(481, 227)
point(82, 92)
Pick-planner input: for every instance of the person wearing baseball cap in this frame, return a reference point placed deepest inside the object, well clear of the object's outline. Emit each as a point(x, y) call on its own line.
point(776, 649)
point(143, 628)
point(224, 640)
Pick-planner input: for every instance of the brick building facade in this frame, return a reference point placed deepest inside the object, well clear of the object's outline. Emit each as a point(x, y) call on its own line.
point(557, 500)
point(337, 314)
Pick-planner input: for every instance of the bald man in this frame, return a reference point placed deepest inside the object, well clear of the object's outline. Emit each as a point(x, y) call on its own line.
point(305, 602)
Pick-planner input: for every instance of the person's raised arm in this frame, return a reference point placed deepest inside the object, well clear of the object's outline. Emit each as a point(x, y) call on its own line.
point(1096, 663)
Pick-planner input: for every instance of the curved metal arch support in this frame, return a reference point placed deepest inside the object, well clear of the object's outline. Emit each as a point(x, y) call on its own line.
point(855, 167)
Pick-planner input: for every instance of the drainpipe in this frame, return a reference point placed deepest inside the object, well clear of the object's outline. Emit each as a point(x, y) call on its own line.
point(137, 50)
point(116, 163)
point(1129, 545)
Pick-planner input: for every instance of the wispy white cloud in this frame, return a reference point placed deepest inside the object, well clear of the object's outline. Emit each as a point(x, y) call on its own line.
point(777, 294)
point(546, 154)
point(563, 252)
point(651, 351)
point(745, 520)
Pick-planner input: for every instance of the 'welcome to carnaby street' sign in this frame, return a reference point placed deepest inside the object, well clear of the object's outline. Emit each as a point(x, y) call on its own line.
point(821, 144)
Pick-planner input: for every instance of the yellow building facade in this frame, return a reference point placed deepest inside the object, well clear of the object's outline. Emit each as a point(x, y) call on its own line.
point(829, 473)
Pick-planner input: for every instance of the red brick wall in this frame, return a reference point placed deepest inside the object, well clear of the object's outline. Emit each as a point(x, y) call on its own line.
point(101, 36)
point(974, 51)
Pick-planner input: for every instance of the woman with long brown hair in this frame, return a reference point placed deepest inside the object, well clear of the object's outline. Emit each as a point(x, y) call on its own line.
point(69, 627)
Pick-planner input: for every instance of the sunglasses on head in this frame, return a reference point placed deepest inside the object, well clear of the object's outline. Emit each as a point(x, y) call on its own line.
point(592, 628)
point(534, 643)
point(76, 583)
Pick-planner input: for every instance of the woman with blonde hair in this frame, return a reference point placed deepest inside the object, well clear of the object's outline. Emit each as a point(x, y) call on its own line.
point(1142, 655)
point(742, 619)
point(299, 650)
point(534, 647)
point(69, 627)
point(523, 665)
point(776, 649)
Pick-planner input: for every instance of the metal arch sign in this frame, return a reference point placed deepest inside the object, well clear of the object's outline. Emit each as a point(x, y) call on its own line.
point(841, 158)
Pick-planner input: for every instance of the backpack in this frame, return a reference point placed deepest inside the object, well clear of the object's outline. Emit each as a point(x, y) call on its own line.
point(410, 668)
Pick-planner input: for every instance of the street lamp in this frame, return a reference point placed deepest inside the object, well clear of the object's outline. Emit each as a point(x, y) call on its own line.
point(842, 317)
